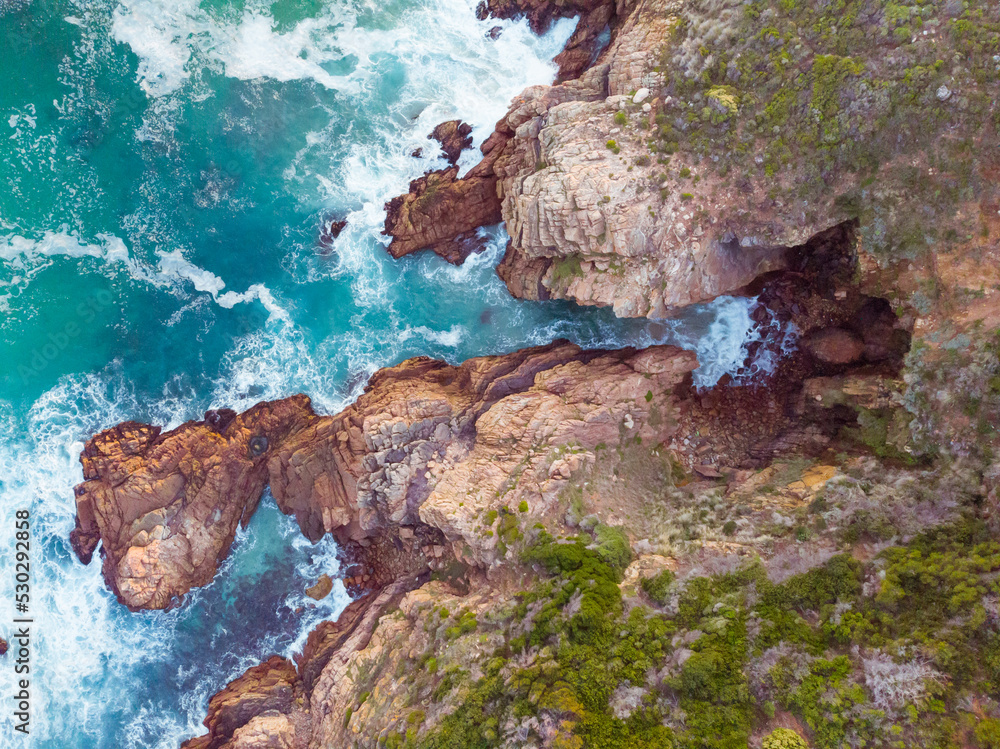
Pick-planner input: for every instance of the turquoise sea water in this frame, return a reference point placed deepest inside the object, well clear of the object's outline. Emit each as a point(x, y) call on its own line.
point(167, 167)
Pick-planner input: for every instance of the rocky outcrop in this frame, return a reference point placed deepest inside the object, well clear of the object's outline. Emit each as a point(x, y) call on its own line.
point(584, 221)
point(443, 214)
point(166, 506)
point(454, 136)
point(235, 714)
point(683, 163)
point(428, 452)
point(268, 706)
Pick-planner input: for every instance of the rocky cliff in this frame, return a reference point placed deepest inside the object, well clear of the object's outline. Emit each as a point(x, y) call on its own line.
point(710, 136)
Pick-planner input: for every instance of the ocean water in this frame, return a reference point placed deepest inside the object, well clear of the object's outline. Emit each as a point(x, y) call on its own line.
point(167, 168)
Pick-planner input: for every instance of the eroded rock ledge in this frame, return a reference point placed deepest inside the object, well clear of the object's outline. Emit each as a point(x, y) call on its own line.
point(428, 447)
point(442, 212)
point(414, 474)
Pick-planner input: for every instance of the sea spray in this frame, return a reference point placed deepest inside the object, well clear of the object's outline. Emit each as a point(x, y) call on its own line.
point(729, 341)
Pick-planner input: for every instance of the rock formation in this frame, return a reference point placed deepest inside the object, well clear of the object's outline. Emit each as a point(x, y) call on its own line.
point(166, 507)
point(426, 219)
point(234, 714)
point(454, 136)
point(428, 451)
point(713, 147)
point(268, 706)
point(684, 162)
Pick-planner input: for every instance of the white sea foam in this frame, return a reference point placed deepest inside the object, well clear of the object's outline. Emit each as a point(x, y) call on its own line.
point(18, 250)
point(721, 347)
point(158, 31)
point(79, 637)
point(722, 333)
point(174, 40)
point(26, 257)
point(174, 264)
point(449, 338)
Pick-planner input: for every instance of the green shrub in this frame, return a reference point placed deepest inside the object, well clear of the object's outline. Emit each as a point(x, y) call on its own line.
point(613, 547)
point(783, 738)
point(657, 587)
point(466, 623)
point(988, 733)
point(621, 118)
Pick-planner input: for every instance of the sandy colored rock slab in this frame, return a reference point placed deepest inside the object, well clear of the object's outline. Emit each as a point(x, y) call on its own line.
point(321, 589)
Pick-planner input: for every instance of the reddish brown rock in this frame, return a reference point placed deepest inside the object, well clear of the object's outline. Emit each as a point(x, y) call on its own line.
point(268, 706)
point(328, 233)
point(268, 688)
point(442, 213)
point(166, 506)
point(321, 589)
point(523, 275)
point(583, 46)
point(428, 446)
point(454, 136)
point(835, 346)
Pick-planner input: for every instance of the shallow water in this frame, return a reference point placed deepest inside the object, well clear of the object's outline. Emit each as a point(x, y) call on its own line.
point(167, 167)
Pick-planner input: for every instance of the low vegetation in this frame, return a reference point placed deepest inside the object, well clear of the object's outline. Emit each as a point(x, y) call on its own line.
point(901, 650)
